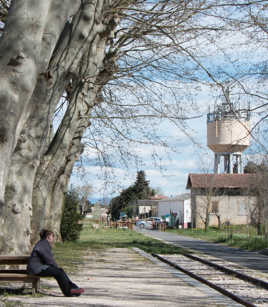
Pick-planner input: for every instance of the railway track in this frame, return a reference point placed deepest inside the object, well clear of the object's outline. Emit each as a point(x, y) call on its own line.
point(236, 283)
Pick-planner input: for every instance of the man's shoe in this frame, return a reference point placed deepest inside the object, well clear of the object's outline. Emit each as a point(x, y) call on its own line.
point(77, 291)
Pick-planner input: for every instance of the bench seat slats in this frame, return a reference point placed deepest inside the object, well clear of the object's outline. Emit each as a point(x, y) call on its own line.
point(18, 274)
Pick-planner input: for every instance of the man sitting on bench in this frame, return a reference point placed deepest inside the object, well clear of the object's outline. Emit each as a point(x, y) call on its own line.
point(42, 263)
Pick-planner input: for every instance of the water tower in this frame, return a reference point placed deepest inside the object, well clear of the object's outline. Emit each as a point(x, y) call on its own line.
point(228, 135)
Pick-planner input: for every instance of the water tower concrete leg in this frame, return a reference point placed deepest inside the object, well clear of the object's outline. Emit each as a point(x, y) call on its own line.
point(240, 164)
point(227, 163)
point(237, 164)
point(232, 164)
point(216, 163)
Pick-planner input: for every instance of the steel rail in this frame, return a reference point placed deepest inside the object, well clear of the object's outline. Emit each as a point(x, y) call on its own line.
point(253, 280)
point(210, 284)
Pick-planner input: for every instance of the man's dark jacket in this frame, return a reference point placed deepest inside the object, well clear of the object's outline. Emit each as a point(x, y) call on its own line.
point(40, 258)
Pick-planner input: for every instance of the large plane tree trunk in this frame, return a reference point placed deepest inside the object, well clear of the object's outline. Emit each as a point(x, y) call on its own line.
point(54, 172)
point(15, 216)
point(30, 34)
point(25, 56)
point(55, 169)
point(24, 163)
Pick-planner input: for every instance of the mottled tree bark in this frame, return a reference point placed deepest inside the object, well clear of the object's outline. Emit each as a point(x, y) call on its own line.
point(56, 166)
point(33, 138)
point(29, 38)
point(31, 32)
point(24, 163)
point(54, 172)
point(79, 38)
point(55, 169)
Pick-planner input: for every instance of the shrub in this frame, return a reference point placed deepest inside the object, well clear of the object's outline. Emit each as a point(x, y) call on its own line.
point(70, 228)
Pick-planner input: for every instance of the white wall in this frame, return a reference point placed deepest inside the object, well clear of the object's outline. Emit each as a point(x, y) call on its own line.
point(144, 209)
point(165, 206)
point(187, 211)
point(234, 209)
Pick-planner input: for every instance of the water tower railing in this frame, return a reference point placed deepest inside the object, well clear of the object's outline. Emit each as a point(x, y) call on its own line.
point(220, 115)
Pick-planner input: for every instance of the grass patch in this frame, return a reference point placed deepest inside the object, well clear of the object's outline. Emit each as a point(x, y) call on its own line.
point(70, 254)
point(242, 236)
point(253, 243)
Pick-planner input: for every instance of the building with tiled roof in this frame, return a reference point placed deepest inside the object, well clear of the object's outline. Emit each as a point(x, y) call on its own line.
point(227, 197)
point(158, 197)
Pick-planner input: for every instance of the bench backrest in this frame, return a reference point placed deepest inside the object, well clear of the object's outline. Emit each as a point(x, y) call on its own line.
point(13, 260)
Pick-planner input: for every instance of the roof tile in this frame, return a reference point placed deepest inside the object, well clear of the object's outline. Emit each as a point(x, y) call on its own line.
point(220, 180)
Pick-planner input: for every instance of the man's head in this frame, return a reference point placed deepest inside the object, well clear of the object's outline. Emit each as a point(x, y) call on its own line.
point(47, 235)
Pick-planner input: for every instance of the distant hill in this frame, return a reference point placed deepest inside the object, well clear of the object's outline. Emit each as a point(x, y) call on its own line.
point(102, 201)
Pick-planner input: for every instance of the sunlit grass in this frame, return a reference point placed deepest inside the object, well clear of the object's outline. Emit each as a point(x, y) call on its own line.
point(110, 238)
point(252, 243)
point(70, 254)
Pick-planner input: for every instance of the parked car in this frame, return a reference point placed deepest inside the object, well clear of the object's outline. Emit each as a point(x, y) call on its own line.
point(155, 219)
point(144, 224)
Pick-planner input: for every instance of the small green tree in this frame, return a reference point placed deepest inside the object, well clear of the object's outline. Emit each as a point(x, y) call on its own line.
point(141, 187)
point(70, 228)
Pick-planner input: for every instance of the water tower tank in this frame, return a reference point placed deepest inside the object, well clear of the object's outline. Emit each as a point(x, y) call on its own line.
point(228, 130)
point(228, 135)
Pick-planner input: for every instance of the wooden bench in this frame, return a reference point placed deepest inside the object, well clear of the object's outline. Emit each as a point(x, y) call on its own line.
point(18, 274)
